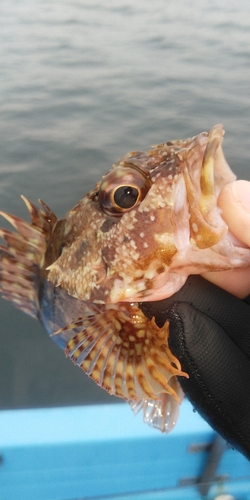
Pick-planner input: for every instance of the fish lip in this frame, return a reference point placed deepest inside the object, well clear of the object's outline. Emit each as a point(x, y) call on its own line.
point(206, 224)
point(163, 286)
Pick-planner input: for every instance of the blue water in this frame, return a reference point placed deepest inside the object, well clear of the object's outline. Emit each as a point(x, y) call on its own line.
point(83, 82)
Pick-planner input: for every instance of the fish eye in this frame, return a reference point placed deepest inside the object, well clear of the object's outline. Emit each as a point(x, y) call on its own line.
point(126, 196)
point(122, 189)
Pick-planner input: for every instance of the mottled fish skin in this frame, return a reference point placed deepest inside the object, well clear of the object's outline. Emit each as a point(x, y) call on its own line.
point(150, 222)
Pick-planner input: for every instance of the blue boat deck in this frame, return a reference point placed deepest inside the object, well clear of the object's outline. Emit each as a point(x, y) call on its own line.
point(103, 451)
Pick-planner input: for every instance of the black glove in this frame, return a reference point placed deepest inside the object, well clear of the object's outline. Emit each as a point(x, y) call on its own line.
point(210, 335)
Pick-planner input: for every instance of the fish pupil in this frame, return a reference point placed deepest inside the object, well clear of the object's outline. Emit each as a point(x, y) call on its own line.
point(126, 196)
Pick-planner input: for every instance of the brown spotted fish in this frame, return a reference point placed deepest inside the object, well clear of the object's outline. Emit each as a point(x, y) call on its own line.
point(151, 221)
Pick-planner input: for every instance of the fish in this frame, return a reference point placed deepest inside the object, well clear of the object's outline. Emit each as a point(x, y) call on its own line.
point(148, 224)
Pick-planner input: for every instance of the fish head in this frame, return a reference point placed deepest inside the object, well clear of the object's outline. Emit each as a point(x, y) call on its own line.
point(151, 221)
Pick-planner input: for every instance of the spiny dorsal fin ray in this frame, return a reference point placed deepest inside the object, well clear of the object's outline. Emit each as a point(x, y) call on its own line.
point(28, 247)
point(128, 355)
point(43, 219)
point(26, 230)
point(22, 259)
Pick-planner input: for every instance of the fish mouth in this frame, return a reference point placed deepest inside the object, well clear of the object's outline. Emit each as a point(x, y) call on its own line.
point(206, 224)
point(161, 287)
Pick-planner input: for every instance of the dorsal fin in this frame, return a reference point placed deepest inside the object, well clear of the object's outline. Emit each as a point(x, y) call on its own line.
point(22, 259)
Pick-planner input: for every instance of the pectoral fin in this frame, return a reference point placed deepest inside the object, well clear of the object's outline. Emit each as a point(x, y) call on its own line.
point(128, 355)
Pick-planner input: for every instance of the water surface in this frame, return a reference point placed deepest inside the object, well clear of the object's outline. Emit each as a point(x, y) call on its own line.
point(83, 82)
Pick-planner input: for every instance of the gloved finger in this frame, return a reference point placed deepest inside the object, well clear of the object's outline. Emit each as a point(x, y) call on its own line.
point(232, 314)
point(219, 373)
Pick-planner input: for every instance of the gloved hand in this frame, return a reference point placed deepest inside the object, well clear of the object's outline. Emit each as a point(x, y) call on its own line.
point(210, 335)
